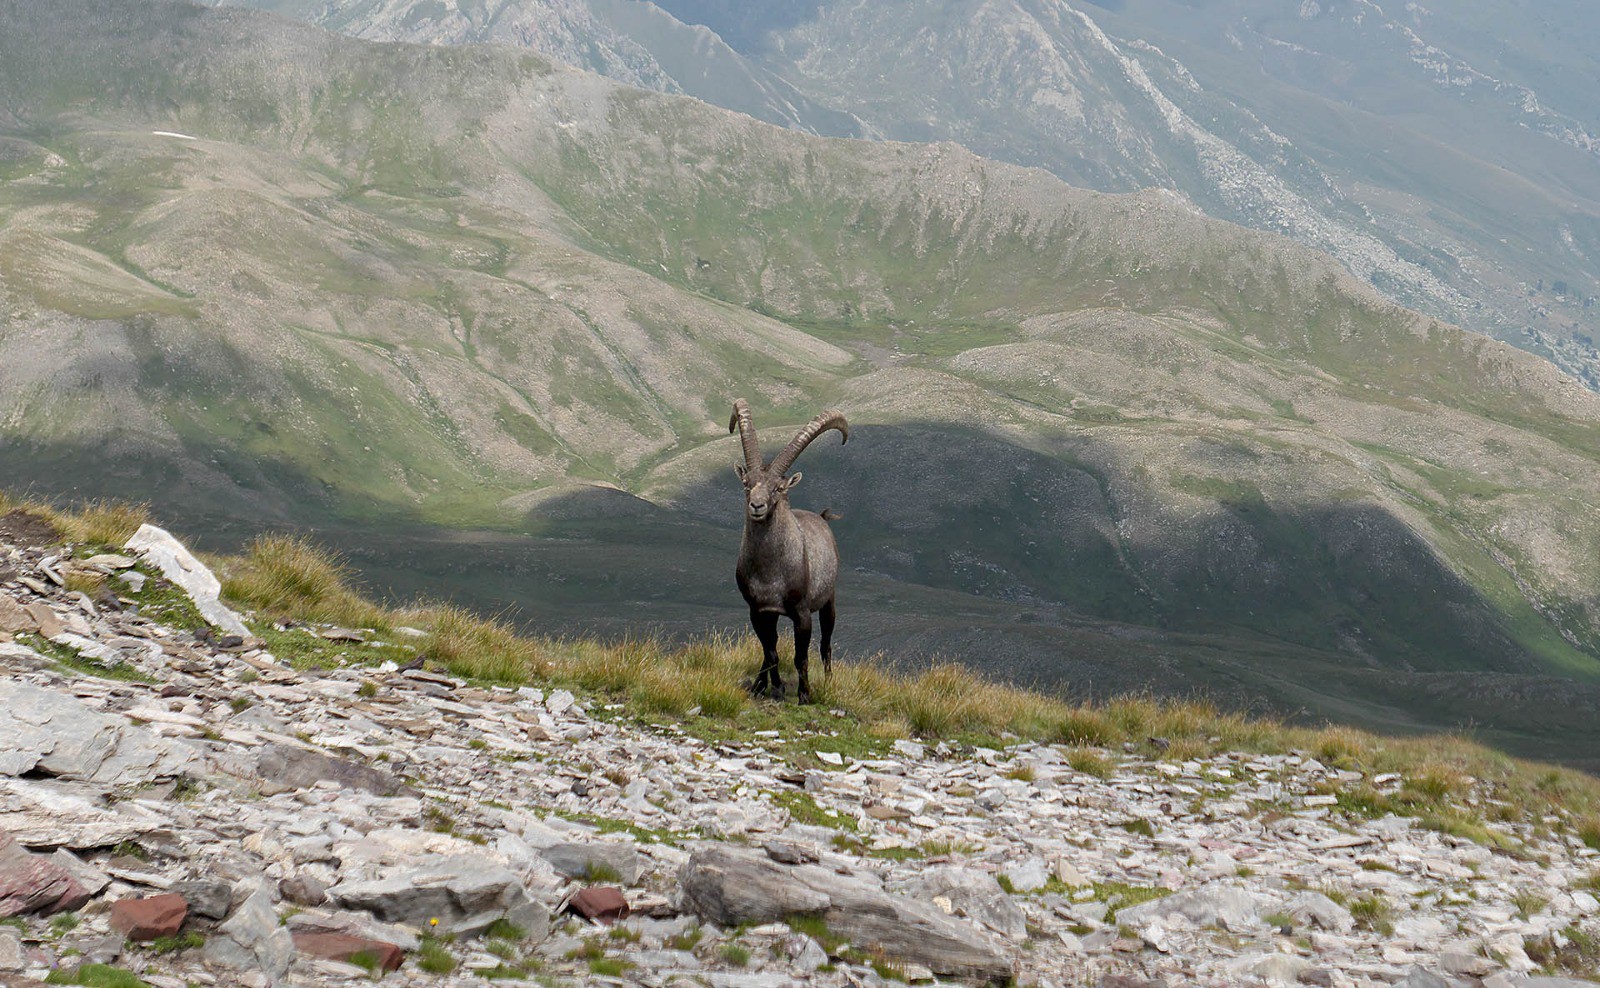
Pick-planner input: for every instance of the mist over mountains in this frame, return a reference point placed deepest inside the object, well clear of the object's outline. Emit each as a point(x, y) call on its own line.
point(478, 317)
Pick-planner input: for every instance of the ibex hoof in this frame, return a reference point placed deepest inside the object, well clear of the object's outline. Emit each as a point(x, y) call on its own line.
point(803, 697)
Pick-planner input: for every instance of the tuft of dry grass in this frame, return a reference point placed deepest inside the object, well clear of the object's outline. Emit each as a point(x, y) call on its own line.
point(478, 647)
point(284, 576)
point(85, 582)
point(99, 522)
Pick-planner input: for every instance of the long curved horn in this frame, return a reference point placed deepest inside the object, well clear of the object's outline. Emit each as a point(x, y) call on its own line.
point(747, 434)
point(816, 427)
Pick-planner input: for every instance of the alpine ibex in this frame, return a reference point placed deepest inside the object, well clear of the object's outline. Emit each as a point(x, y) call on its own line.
point(788, 562)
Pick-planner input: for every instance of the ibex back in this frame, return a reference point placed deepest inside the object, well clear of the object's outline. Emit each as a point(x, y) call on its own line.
point(788, 562)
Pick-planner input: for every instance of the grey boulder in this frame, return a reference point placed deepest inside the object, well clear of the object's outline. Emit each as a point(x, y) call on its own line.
point(1226, 906)
point(594, 860)
point(975, 895)
point(730, 885)
point(48, 733)
point(465, 894)
point(252, 938)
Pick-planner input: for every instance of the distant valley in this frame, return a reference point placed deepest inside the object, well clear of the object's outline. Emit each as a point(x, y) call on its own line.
point(477, 319)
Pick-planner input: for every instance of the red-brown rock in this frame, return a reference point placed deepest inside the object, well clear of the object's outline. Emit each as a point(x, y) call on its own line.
point(149, 919)
point(32, 883)
point(344, 947)
point(601, 903)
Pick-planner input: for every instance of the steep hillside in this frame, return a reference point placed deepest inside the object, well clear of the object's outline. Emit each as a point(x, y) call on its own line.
point(264, 274)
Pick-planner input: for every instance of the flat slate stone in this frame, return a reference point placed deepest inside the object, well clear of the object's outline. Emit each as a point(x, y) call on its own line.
point(729, 885)
point(34, 883)
point(285, 768)
point(149, 918)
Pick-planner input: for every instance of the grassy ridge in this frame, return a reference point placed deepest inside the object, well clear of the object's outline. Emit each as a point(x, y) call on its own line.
point(1451, 783)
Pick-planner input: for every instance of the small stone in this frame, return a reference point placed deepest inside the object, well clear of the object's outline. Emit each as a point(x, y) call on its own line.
point(601, 904)
point(104, 950)
point(206, 897)
point(33, 883)
point(787, 853)
point(252, 939)
point(11, 956)
point(559, 702)
point(350, 949)
point(107, 562)
point(1028, 875)
point(14, 619)
point(1419, 977)
point(149, 918)
point(44, 618)
point(303, 890)
point(910, 749)
point(805, 953)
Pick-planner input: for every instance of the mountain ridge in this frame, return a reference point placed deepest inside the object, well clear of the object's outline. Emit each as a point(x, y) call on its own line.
point(1287, 120)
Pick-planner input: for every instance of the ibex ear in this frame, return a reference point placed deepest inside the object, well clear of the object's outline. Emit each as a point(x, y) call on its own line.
point(792, 482)
point(738, 468)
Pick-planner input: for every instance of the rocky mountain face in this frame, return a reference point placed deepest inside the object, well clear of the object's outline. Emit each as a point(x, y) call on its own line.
point(182, 805)
point(634, 43)
point(482, 317)
point(1447, 156)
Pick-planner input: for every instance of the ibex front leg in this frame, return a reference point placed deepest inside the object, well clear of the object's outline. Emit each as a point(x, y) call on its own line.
point(802, 648)
point(768, 682)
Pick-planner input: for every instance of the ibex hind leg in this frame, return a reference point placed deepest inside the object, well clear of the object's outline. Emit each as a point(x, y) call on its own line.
point(768, 682)
point(825, 618)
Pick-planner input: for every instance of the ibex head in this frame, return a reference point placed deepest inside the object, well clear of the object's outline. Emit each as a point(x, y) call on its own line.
point(766, 487)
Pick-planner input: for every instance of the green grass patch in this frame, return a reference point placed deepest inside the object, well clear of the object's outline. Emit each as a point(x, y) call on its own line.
point(433, 958)
point(189, 940)
point(802, 808)
point(95, 976)
point(69, 659)
point(736, 954)
point(1373, 912)
point(687, 940)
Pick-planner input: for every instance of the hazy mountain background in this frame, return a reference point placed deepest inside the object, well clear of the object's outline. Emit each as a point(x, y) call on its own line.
point(477, 318)
point(1447, 153)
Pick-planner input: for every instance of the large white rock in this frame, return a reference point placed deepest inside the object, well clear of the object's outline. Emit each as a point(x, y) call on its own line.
point(179, 565)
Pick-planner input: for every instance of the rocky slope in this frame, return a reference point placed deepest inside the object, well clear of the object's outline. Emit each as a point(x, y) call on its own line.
point(181, 803)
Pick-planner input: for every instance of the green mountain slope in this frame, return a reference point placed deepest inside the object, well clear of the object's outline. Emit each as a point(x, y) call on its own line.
point(425, 298)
